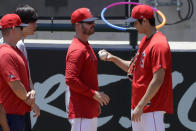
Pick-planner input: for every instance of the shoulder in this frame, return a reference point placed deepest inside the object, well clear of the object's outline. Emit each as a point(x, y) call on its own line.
point(4, 48)
point(76, 52)
point(7, 50)
point(160, 38)
point(6, 56)
point(77, 46)
point(159, 41)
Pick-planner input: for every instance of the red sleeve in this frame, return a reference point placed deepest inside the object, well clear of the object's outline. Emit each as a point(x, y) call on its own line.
point(160, 56)
point(8, 67)
point(74, 64)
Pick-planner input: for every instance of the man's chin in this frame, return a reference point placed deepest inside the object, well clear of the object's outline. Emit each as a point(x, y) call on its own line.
point(32, 33)
point(92, 32)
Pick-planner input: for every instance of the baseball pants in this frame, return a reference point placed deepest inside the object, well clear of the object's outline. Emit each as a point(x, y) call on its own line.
point(18, 118)
point(151, 121)
point(27, 122)
point(83, 124)
point(16, 122)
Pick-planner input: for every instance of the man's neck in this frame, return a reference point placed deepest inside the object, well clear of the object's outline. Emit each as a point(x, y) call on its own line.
point(9, 42)
point(151, 32)
point(81, 37)
point(24, 34)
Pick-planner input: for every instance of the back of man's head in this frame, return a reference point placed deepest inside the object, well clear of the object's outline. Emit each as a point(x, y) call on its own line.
point(27, 14)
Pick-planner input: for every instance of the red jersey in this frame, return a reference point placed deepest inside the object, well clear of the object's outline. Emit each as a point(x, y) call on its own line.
point(153, 54)
point(13, 66)
point(81, 77)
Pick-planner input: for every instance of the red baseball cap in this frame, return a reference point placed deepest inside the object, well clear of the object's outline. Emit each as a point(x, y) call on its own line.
point(11, 20)
point(82, 15)
point(139, 12)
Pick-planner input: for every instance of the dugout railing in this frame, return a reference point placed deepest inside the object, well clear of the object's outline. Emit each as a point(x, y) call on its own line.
point(133, 35)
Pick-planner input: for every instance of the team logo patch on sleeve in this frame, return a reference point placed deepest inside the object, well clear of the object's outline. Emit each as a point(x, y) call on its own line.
point(11, 76)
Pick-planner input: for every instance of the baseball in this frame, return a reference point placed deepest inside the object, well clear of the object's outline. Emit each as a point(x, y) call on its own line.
point(103, 55)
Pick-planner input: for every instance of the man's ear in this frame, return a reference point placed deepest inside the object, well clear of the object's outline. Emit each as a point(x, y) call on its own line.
point(77, 24)
point(145, 20)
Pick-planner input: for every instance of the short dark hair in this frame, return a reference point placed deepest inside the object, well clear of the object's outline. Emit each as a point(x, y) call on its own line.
point(5, 32)
point(151, 21)
point(27, 14)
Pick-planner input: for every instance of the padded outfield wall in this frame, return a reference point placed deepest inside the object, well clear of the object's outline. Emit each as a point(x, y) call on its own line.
point(47, 64)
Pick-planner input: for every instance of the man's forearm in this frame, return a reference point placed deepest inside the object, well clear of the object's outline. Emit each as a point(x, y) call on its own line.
point(150, 93)
point(123, 64)
point(3, 119)
point(153, 88)
point(19, 89)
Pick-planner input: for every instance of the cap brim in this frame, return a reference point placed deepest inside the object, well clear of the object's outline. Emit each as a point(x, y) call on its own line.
point(131, 20)
point(90, 19)
point(24, 25)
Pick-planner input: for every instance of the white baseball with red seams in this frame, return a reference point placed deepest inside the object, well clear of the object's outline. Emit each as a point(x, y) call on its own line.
point(103, 54)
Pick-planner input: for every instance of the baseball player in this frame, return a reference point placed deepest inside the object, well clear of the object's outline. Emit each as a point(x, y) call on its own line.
point(15, 94)
point(150, 71)
point(29, 16)
point(81, 75)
